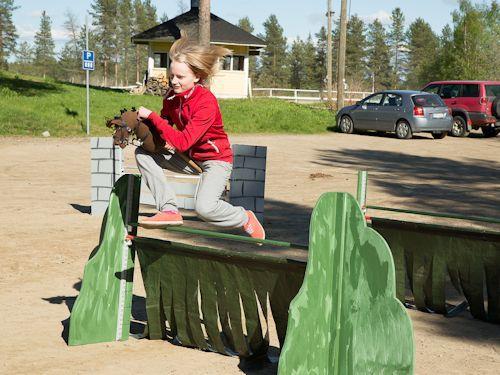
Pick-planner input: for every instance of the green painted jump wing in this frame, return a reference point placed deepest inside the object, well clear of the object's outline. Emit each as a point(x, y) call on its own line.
point(102, 310)
point(345, 318)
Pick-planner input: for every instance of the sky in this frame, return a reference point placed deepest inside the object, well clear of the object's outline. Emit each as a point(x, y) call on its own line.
point(299, 18)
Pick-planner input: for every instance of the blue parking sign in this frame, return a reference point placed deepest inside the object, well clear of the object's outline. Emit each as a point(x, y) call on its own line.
point(88, 60)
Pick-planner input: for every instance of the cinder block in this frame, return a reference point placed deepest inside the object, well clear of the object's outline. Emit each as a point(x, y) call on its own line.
point(189, 203)
point(97, 153)
point(236, 189)
point(243, 174)
point(244, 150)
point(181, 202)
point(260, 175)
point(103, 193)
point(259, 204)
point(183, 188)
point(94, 166)
point(253, 189)
point(255, 163)
point(261, 151)
point(106, 166)
point(147, 198)
point(93, 194)
point(101, 180)
point(246, 202)
point(260, 217)
point(98, 207)
point(238, 161)
point(105, 142)
point(93, 142)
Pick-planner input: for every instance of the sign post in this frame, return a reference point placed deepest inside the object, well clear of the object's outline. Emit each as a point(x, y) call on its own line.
point(88, 63)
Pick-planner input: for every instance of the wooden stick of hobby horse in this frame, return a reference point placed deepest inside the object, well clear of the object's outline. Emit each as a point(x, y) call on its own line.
point(191, 163)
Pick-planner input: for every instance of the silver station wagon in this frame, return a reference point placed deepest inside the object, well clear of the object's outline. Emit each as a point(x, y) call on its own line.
point(401, 111)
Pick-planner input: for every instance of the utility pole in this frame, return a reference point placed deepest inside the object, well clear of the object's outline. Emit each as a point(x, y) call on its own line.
point(204, 22)
point(329, 59)
point(341, 56)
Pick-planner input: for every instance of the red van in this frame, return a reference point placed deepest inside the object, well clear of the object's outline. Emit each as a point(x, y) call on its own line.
point(474, 105)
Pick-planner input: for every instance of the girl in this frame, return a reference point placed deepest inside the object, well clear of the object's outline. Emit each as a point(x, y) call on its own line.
point(194, 111)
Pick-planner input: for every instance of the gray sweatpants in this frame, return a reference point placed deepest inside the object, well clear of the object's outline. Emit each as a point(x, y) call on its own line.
point(208, 204)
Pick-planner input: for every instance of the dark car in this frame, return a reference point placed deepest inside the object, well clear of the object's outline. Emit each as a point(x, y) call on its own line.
point(474, 105)
point(401, 111)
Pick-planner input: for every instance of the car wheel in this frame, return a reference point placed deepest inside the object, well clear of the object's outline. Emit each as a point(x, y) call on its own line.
point(346, 125)
point(489, 131)
point(403, 130)
point(439, 135)
point(459, 128)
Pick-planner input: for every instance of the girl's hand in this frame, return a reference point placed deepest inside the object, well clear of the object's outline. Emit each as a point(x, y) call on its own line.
point(169, 147)
point(143, 113)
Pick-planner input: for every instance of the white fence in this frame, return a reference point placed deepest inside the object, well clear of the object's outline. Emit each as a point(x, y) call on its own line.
point(298, 95)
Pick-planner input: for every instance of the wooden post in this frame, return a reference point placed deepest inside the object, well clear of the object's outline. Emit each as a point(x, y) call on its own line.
point(341, 55)
point(329, 55)
point(204, 22)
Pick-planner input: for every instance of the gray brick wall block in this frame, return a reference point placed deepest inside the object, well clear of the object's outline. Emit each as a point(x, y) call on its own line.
point(105, 142)
point(253, 189)
point(245, 202)
point(94, 166)
point(93, 142)
point(93, 194)
point(243, 174)
point(260, 175)
point(98, 207)
point(101, 179)
point(181, 202)
point(236, 189)
point(260, 217)
point(189, 203)
point(97, 153)
point(181, 188)
point(255, 163)
point(238, 161)
point(103, 193)
point(261, 151)
point(244, 150)
point(259, 204)
point(147, 198)
point(106, 166)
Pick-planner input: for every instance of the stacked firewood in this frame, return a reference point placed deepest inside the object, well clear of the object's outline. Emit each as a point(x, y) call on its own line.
point(157, 85)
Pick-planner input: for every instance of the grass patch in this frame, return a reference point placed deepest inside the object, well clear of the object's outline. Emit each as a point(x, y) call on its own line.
point(32, 105)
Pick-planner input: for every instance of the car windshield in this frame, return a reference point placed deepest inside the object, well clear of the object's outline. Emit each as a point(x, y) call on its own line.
point(428, 101)
point(492, 90)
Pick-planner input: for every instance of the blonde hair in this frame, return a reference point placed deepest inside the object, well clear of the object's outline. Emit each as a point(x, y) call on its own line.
point(202, 60)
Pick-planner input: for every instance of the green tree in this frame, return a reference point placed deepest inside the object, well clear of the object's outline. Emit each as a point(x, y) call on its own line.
point(8, 34)
point(422, 50)
point(398, 48)
point(25, 55)
point(273, 70)
point(105, 22)
point(355, 67)
point(44, 47)
point(296, 61)
point(144, 19)
point(69, 59)
point(125, 31)
point(309, 64)
point(320, 58)
point(245, 24)
point(379, 55)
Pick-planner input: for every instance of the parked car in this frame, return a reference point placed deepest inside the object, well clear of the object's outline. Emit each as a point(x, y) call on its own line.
point(401, 111)
point(474, 105)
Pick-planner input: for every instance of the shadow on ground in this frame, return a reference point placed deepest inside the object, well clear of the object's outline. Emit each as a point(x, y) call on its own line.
point(469, 186)
point(29, 88)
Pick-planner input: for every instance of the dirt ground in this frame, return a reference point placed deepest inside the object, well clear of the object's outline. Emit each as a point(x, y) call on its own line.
point(47, 236)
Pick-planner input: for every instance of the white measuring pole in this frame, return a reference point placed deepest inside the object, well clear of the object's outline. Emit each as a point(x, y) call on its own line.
point(87, 75)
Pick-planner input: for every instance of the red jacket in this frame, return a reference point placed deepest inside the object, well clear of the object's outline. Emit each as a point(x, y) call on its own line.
point(198, 120)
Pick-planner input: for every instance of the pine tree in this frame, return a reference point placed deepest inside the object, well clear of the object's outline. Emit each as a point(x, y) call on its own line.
point(309, 63)
point(273, 70)
point(379, 55)
point(105, 21)
point(320, 58)
point(296, 64)
point(422, 49)
point(44, 47)
point(125, 31)
point(145, 18)
point(355, 67)
point(70, 56)
point(8, 34)
point(245, 24)
point(25, 54)
point(398, 48)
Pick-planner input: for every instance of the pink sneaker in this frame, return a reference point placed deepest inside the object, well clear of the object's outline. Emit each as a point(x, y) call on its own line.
point(253, 227)
point(162, 219)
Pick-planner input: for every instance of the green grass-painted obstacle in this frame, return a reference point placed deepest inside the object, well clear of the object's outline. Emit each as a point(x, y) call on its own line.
point(101, 312)
point(231, 290)
point(346, 319)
